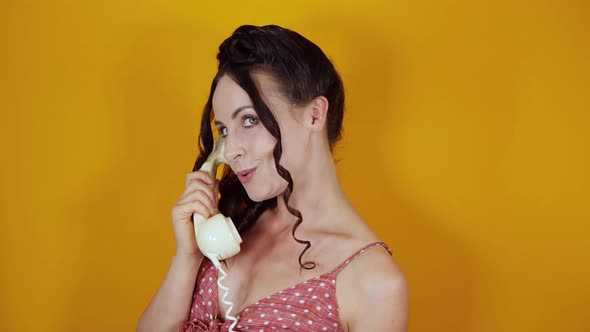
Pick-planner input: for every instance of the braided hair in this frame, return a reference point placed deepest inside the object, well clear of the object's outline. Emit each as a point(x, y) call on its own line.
point(302, 72)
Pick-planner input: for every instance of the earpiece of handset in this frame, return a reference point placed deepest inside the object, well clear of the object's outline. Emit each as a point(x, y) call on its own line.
point(216, 237)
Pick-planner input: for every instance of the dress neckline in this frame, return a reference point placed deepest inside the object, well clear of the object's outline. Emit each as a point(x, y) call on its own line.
point(239, 314)
point(323, 275)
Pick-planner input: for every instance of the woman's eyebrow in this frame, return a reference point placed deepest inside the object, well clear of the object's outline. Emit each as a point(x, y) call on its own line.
point(235, 113)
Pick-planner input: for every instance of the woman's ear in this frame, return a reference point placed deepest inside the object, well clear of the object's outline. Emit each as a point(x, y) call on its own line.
point(316, 114)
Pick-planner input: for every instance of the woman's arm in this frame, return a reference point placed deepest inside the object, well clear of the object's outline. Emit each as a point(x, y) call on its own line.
point(170, 307)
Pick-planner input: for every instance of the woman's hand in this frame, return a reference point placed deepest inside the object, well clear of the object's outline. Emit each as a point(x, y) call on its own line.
point(200, 198)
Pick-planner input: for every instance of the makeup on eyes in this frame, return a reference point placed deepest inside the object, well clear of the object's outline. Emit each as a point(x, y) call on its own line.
point(246, 117)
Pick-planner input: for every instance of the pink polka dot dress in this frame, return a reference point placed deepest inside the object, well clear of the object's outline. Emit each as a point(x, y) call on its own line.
point(308, 306)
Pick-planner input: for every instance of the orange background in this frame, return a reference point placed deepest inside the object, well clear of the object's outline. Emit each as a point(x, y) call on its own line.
point(466, 148)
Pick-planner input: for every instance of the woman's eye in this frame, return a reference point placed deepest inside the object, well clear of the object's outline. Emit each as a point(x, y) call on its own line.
point(250, 121)
point(222, 131)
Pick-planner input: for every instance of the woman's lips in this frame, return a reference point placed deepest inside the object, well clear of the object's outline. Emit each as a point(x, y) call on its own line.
point(246, 175)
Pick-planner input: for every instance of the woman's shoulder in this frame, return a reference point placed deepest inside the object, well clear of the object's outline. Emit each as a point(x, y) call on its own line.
point(371, 254)
point(372, 277)
point(359, 250)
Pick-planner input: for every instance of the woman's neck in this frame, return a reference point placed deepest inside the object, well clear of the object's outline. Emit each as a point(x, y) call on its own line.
point(317, 195)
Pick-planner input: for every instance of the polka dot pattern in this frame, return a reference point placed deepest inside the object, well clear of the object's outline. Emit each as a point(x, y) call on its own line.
point(308, 306)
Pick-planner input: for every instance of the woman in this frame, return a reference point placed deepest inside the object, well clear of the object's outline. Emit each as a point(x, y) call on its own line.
point(308, 262)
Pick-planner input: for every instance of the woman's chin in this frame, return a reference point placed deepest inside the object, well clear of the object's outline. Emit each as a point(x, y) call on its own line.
point(257, 197)
point(260, 197)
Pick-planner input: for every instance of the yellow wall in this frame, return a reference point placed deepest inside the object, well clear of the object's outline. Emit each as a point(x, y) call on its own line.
point(475, 116)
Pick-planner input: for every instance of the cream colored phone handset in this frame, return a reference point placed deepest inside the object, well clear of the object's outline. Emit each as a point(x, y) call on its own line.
point(217, 237)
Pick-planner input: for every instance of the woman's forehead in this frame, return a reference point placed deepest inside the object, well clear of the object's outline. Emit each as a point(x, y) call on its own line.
point(229, 95)
point(228, 90)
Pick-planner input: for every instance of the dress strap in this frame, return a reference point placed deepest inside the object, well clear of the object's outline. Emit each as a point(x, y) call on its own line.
point(359, 252)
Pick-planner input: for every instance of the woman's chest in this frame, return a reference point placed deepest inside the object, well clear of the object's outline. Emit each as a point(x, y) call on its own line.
point(308, 304)
point(276, 273)
point(248, 284)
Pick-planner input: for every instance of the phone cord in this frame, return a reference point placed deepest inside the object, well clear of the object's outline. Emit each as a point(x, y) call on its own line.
point(213, 259)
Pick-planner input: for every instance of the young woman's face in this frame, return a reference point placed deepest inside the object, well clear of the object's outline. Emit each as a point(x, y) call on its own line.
point(248, 145)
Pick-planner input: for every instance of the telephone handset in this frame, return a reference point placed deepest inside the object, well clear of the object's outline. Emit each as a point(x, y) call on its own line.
point(217, 237)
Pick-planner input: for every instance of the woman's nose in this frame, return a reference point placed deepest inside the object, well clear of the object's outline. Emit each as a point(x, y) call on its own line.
point(233, 148)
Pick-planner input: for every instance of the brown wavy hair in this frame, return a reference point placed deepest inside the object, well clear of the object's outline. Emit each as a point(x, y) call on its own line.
point(302, 72)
